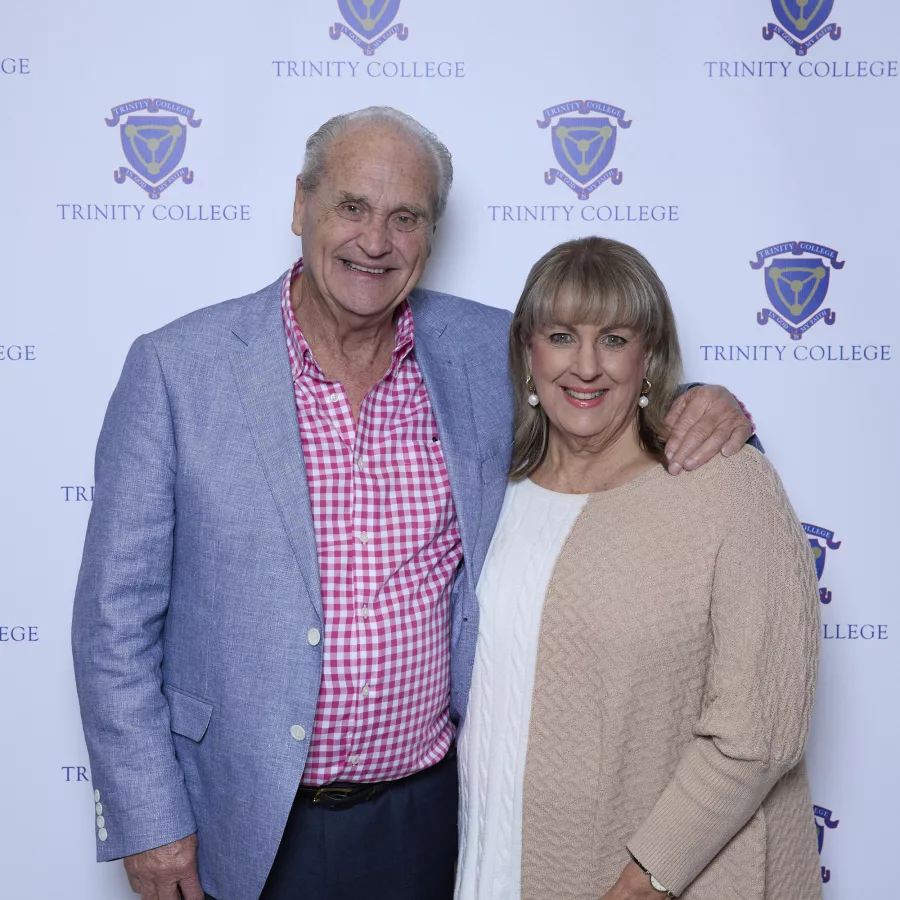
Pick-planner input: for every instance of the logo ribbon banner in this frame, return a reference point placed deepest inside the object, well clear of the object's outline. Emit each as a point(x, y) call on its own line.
point(798, 248)
point(153, 191)
point(583, 107)
point(153, 106)
point(801, 47)
point(796, 334)
point(583, 192)
point(368, 49)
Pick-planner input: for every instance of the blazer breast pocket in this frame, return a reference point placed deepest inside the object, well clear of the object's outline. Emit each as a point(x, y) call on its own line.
point(190, 715)
point(497, 464)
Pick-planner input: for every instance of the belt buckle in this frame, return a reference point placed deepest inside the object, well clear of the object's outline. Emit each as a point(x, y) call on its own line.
point(332, 793)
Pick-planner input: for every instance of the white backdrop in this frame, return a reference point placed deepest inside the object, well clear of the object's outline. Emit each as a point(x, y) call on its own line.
point(736, 143)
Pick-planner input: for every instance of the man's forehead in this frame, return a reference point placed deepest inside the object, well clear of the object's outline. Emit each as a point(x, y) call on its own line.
point(370, 169)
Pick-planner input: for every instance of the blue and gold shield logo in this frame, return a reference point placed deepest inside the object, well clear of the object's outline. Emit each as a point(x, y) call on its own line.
point(369, 17)
point(584, 147)
point(802, 23)
point(796, 288)
point(368, 23)
point(802, 17)
point(821, 540)
point(584, 144)
point(798, 275)
point(153, 144)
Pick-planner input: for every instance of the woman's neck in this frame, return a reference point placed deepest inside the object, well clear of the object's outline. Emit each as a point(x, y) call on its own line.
point(576, 466)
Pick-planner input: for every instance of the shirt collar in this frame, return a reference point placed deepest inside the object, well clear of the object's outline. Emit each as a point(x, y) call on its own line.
point(302, 359)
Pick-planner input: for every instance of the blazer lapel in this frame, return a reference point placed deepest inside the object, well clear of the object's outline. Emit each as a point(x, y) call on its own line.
point(263, 373)
point(447, 383)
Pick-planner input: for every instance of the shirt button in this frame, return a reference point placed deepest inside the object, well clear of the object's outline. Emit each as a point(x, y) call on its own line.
point(364, 537)
point(100, 821)
point(99, 808)
point(365, 691)
point(364, 612)
point(334, 398)
point(353, 760)
point(298, 732)
point(360, 463)
point(102, 834)
point(313, 636)
point(96, 796)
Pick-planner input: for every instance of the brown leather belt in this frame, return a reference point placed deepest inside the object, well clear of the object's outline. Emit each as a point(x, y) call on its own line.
point(347, 794)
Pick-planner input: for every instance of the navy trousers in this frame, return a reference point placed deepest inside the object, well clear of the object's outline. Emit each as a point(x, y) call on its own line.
point(401, 845)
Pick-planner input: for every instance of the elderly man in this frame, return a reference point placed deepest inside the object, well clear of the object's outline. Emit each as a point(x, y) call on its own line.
point(295, 492)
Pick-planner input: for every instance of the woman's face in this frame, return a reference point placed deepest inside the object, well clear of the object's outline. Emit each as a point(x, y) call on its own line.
point(588, 379)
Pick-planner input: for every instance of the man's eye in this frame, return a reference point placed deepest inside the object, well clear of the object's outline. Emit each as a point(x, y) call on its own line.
point(406, 221)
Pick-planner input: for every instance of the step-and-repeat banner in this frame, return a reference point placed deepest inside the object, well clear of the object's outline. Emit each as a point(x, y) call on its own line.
point(749, 149)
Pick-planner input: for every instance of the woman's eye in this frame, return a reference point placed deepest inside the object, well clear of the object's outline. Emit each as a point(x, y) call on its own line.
point(614, 340)
point(560, 337)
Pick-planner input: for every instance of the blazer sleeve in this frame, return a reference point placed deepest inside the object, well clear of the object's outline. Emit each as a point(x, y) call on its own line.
point(760, 685)
point(119, 615)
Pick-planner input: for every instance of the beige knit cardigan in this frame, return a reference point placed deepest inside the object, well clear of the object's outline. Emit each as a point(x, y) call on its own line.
point(675, 678)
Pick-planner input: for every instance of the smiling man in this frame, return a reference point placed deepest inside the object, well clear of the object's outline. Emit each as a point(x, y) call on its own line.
point(274, 624)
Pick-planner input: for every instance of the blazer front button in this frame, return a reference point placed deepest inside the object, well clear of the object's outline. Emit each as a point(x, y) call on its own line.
point(313, 636)
point(298, 732)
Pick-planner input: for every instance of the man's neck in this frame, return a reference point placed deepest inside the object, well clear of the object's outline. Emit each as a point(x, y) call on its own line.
point(350, 341)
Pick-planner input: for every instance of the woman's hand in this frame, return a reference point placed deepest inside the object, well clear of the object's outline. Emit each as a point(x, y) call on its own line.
point(633, 884)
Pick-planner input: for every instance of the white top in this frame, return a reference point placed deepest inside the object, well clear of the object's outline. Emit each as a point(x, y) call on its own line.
point(533, 526)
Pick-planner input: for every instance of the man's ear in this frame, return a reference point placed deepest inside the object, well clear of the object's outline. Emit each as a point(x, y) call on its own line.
point(299, 202)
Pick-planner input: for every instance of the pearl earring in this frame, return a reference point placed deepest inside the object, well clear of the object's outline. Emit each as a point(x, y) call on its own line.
point(533, 399)
point(644, 400)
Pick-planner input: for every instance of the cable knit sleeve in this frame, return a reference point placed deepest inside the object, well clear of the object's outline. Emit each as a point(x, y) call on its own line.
point(764, 620)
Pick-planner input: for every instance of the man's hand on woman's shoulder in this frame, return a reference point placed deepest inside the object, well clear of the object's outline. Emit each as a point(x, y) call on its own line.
point(703, 421)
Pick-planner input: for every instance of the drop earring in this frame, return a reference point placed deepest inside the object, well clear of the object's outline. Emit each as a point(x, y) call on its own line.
point(533, 399)
point(644, 400)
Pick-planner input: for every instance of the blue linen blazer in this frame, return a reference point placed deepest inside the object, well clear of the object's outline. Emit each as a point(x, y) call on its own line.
point(199, 583)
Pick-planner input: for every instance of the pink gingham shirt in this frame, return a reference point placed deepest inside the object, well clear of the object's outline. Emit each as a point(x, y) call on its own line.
point(389, 545)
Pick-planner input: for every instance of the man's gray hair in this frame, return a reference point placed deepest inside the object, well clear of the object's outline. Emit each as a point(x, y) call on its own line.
point(320, 140)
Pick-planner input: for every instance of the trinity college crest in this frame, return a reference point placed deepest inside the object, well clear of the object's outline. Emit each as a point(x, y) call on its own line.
point(802, 23)
point(823, 821)
point(584, 144)
point(797, 278)
point(816, 537)
point(368, 23)
point(154, 143)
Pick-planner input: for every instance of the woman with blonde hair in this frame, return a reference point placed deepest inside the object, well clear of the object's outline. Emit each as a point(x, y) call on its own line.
point(647, 645)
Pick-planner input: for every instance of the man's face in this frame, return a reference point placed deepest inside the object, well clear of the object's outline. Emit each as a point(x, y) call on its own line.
point(367, 229)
